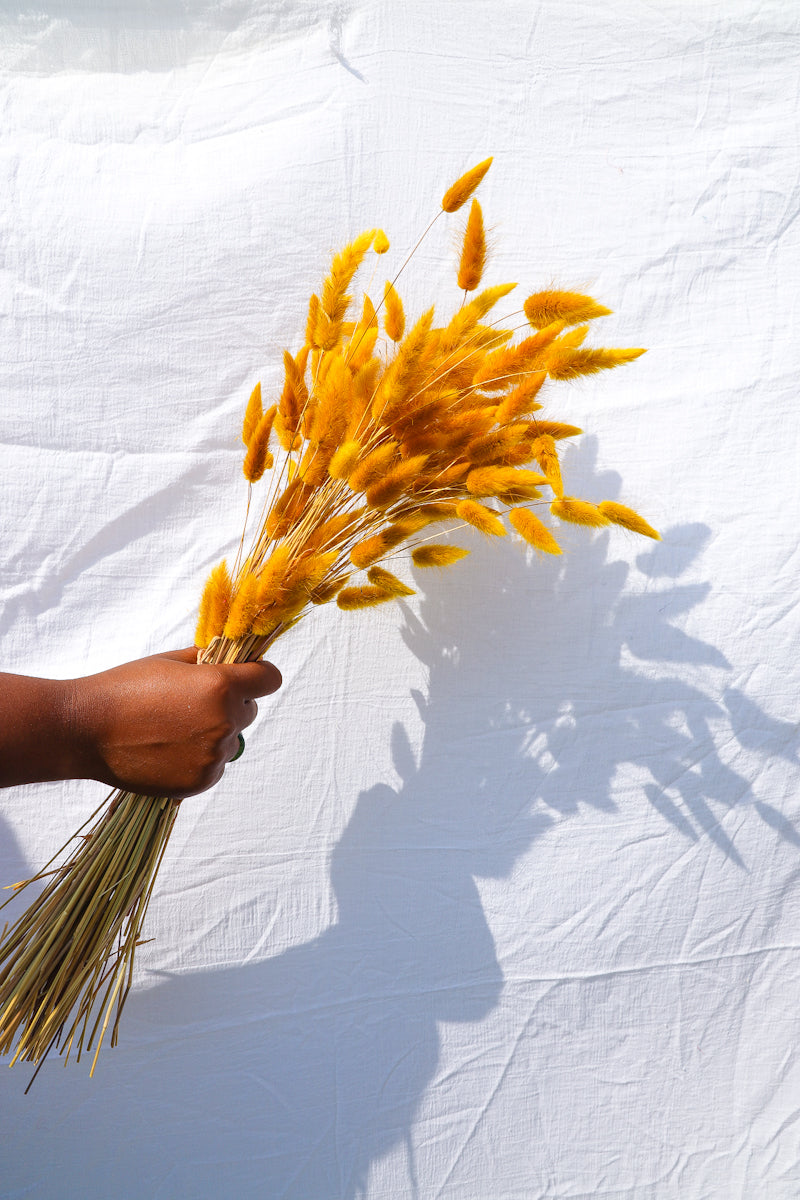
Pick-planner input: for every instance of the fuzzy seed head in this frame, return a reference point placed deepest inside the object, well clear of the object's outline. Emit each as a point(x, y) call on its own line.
point(311, 322)
point(258, 458)
point(394, 318)
point(464, 186)
point(534, 531)
point(437, 555)
point(542, 308)
point(544, 451)
point(389, 489)
point(334, 301)
point(481, 517)
point(252, 414)
point(493, 481)
point(555, 429)
point(522, 400)
point(371, 549)
point(373, 466)
point(366, 596)
point(569, 364)
point(578, 512)
point(388, 582)
point(344, 460)
point(620, 514)
point(473, 250)
point(244, 607)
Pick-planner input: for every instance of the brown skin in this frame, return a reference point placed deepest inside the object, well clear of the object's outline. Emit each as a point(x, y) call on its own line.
point(161, 726)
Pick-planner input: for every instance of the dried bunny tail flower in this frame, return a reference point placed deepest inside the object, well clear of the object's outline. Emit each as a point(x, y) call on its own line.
point(362, 597)
point(464, 186)
point(521, 493)
point(368, 314)
point(406, 373)
point(324, 592)
point(362, 343)
point(313, 468)
point(543, 449)
point(555, 429)
point(482, 518)
point(371, 549)
point(334, 301)
point(252, 414)
point(437, 510)
point(381, 243)
point(504, 366)
point(214, 605)
point(493, 447)
point(450, 476)
point(394, 318)
point(533, 530)
point(575, 337)
point(258, 458)
point(328, 333)
point(295, 393)
point(373, 466)
point(388, 582)
point(522, 399)
point(273, 574)
point(542, 308)
point(578, 512)
point(287, 437)
point(473, 250)
point(201, 635)
point(620, 514)
point(417, 517)
point(493, 481)
point(569, 363)
point(481, 304)
point(310, 570)
point(313, 318)
point(437, 555)
point(326, 425)
point(219, 599)
point(344, 460)
point(244, 607)
point(389, 489)
point(283, 603)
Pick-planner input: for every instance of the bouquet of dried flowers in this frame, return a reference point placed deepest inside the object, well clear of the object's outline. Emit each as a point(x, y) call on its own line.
point(381, 434)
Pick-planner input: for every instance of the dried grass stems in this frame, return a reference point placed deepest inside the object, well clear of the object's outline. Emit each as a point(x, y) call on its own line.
point(381, 431)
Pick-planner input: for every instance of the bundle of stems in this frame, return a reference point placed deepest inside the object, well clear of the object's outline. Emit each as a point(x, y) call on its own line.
point(379, 434)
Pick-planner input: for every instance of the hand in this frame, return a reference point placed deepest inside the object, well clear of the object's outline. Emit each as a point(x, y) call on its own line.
point(164, 725)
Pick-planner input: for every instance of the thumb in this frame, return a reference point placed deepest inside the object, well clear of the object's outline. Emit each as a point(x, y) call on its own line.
point(252, 679)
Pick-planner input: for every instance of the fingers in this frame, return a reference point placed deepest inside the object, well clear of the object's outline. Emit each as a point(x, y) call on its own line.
point(250, 709)
point(252, 679)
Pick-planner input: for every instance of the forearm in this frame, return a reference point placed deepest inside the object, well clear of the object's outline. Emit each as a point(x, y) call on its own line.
point(38, 738)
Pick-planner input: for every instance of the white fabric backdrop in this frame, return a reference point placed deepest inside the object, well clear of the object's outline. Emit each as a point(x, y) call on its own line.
point(502, 901)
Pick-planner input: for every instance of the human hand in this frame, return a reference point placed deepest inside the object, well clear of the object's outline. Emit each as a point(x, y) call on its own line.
point(164, 725)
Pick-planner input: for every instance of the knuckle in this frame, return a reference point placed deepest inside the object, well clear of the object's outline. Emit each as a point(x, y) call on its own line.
point(218, 688)
point(208, 776)
point(226, 729)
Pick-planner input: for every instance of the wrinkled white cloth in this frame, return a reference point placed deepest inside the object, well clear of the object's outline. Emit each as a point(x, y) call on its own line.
point(501, 902)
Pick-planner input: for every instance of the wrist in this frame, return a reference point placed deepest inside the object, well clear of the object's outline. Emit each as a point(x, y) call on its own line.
point(79, 754)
